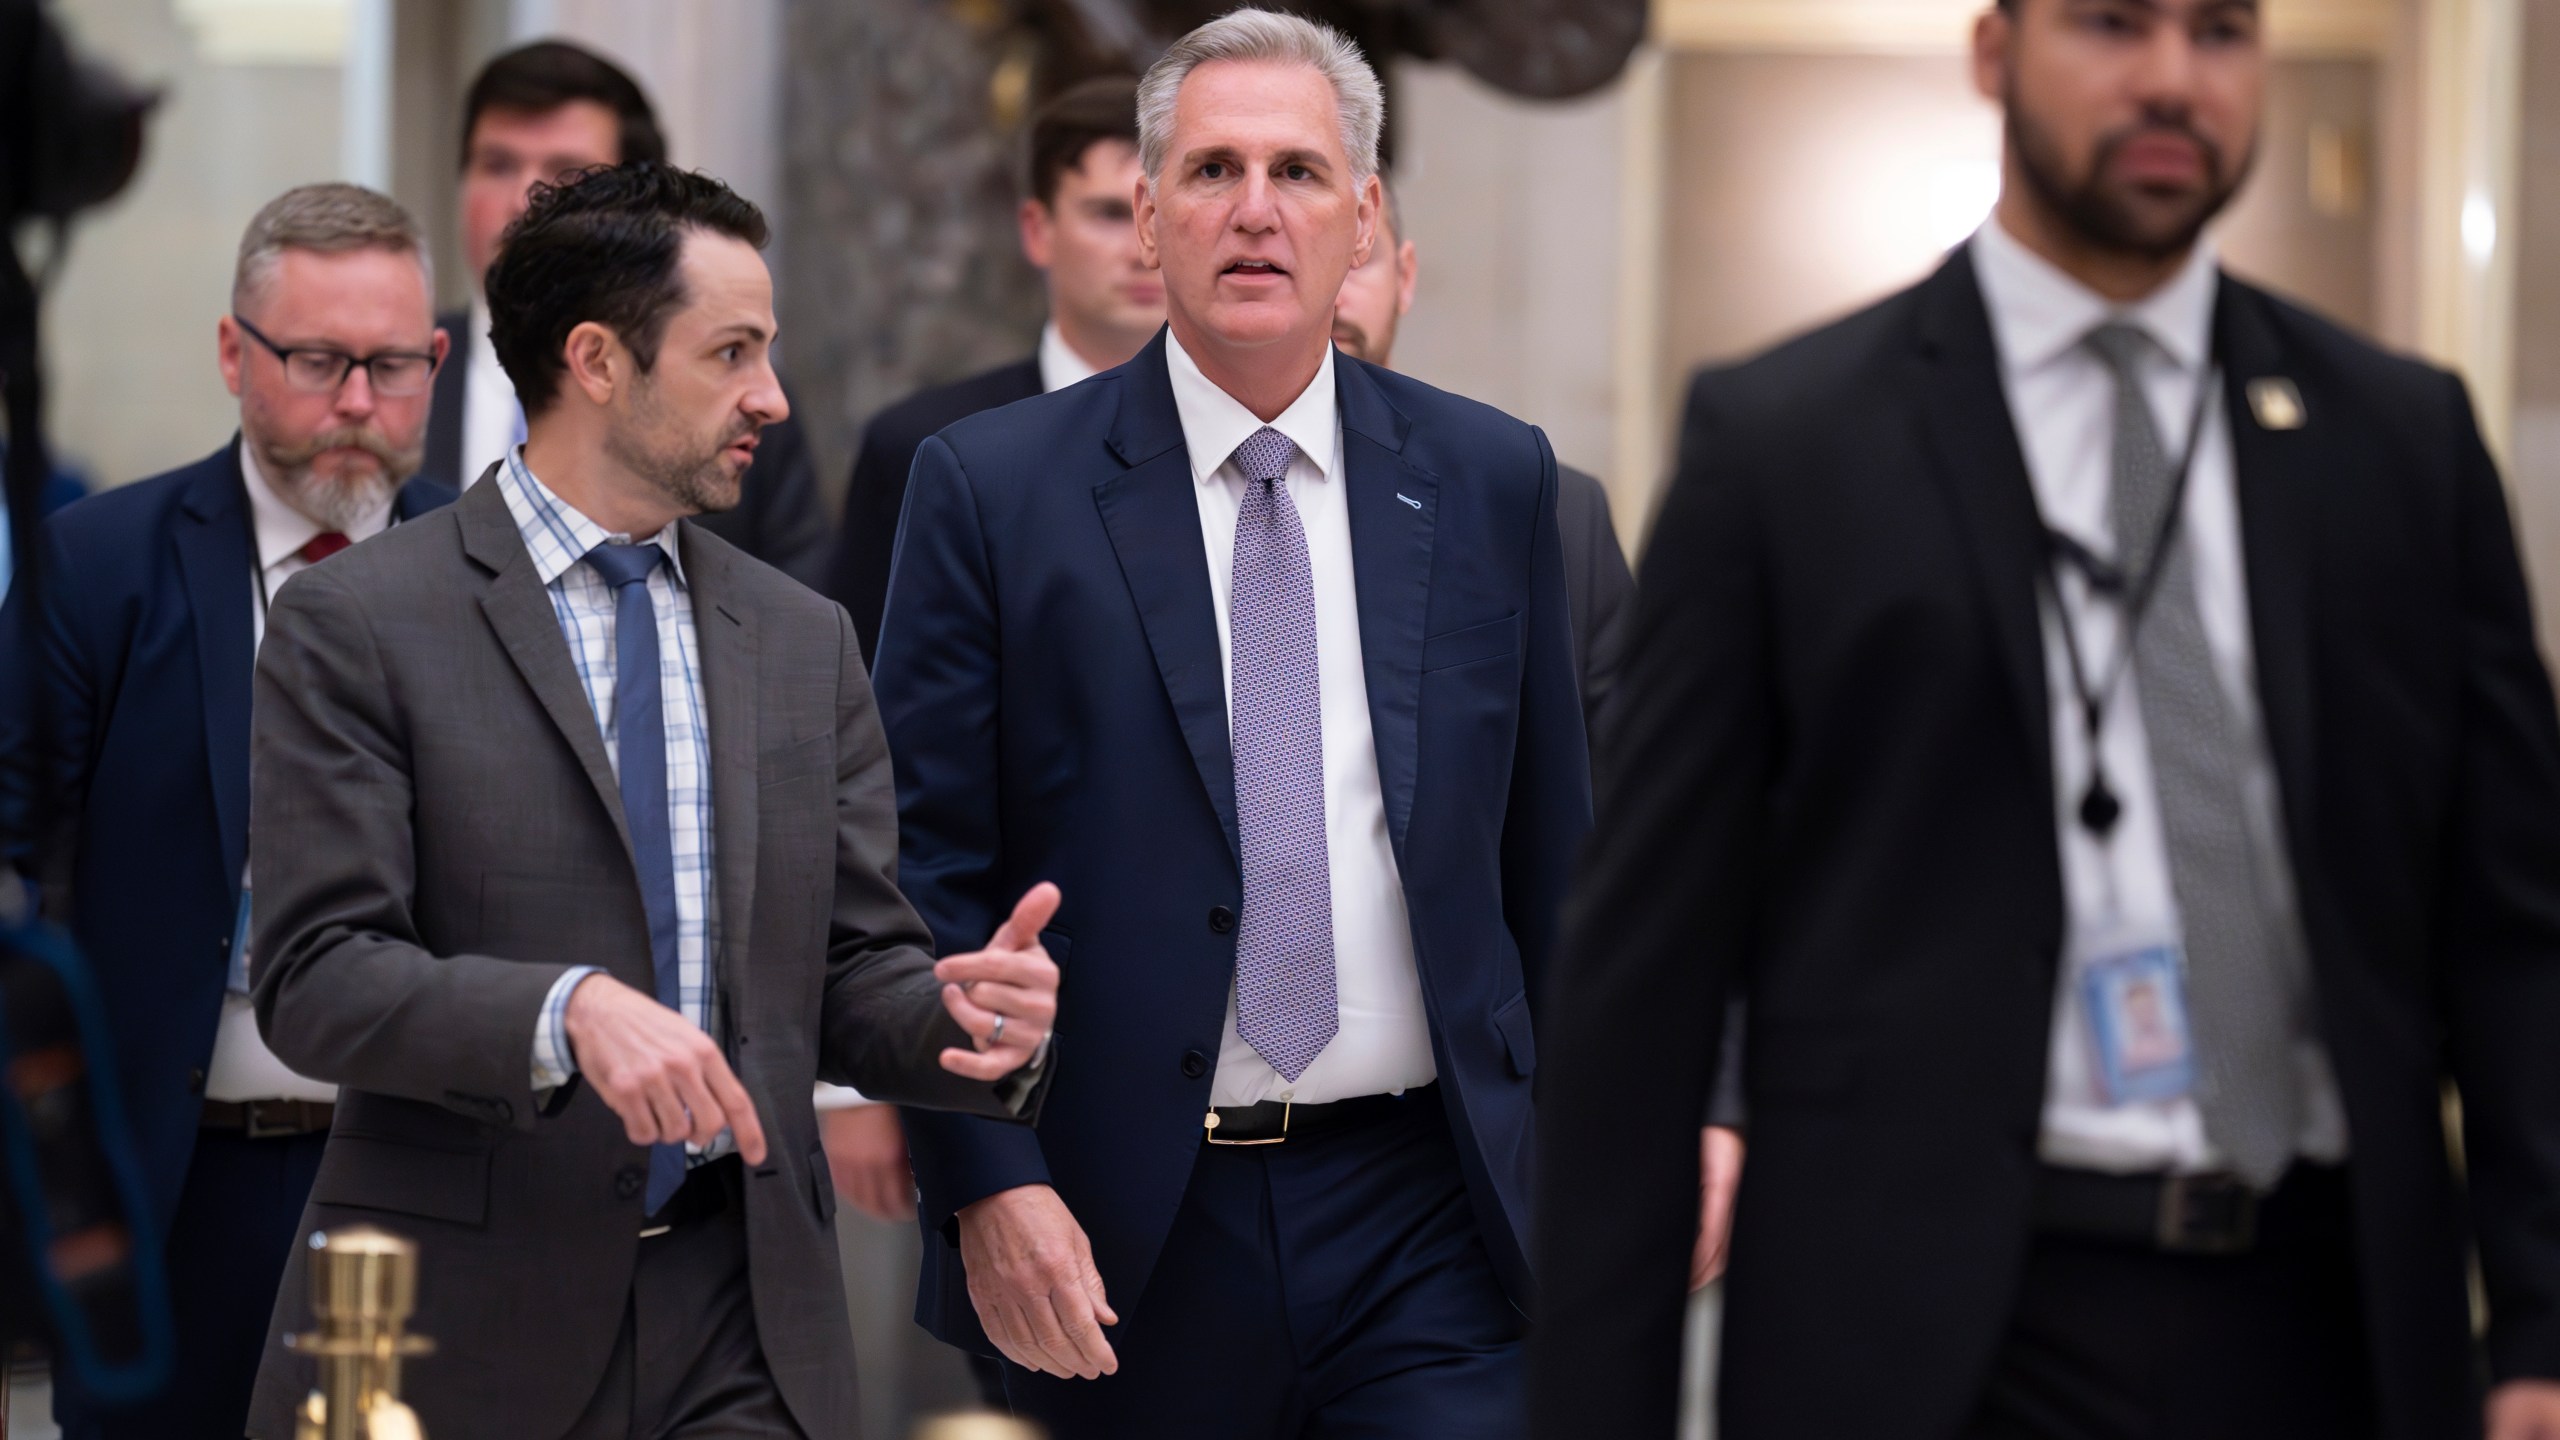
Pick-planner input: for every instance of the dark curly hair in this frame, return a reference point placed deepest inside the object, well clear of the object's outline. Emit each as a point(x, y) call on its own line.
point(601, 245)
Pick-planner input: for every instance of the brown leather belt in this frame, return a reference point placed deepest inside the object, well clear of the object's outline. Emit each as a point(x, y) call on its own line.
point(267, 1119)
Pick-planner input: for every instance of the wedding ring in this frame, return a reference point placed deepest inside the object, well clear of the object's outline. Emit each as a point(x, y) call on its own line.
point(996, 1036)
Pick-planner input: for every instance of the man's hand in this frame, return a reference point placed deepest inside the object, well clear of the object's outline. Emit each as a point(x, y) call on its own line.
point(1031, 1276)
point(657, 1070)
point(867, 1155)
point(1005, 996)
point(1719, 1172)
point(2525, 1410)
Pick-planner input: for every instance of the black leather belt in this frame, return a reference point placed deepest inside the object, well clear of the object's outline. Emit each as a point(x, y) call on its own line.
point(267, 1119)
point(2173, 1214)
point(1270, 1122)
point(708, 1190)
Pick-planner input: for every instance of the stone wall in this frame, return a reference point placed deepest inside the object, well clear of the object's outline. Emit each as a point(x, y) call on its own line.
point(899, 265)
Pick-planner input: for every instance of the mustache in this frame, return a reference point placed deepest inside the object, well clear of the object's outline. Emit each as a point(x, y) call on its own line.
point(348, 437)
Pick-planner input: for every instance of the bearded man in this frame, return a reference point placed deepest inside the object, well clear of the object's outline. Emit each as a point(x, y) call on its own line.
point(2090, 709)
point(155, 598)
point(575, 844)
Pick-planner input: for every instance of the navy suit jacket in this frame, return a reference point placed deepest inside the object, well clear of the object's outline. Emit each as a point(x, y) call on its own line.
point(1049, 675)
point(146, 652)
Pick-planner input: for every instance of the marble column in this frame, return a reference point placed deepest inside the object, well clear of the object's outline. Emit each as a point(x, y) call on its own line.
point(899, 263)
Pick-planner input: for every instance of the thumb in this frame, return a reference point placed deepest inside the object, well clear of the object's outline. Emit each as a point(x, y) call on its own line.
point(1031, 915)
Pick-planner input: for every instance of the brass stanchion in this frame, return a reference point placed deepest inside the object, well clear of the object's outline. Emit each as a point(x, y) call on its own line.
point(981, 1426)
point(364, 1287)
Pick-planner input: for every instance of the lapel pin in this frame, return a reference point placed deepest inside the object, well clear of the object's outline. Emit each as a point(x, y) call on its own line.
point(2276, 403)
point(1409, 500)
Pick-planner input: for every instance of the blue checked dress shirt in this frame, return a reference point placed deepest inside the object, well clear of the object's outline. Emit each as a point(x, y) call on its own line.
point(558, 538)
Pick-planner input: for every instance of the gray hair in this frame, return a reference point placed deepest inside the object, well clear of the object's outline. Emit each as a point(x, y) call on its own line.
point(1266, 35)
point(328, 219)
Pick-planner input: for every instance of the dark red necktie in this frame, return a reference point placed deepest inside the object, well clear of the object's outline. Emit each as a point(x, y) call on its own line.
point(323, 545)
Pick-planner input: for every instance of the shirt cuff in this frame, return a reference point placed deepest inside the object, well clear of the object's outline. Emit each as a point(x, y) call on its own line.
point(839, 1097)
point(553, 1063)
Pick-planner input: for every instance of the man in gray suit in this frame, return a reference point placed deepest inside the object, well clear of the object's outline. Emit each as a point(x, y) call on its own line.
point(575, 854)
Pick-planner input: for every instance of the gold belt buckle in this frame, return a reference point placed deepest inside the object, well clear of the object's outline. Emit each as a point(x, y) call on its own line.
point(1210, 1126)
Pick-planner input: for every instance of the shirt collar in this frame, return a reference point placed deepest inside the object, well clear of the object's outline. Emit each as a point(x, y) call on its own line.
point(282, 530)
point(2039, 313)
point(558, 534)
point(1214, 422)
point(1060, 365)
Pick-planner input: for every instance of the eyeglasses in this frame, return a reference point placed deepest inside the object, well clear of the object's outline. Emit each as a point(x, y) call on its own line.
point(317, 370)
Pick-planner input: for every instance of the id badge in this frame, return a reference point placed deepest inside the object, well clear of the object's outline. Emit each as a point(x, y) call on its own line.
point(2134, 991)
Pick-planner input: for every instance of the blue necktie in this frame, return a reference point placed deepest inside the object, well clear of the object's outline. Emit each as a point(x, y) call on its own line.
point(640, 750)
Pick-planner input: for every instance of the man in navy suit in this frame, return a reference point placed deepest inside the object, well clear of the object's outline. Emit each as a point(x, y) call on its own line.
point(1262, 654)
point(154, 600)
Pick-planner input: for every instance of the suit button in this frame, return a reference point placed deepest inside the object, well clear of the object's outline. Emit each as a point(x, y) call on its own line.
point(1221, 919)
point(629, 1180)
point(1194, 1064)
point(195, 1082)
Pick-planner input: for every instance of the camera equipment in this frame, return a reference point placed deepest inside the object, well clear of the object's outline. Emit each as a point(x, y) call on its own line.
point(79, 1254)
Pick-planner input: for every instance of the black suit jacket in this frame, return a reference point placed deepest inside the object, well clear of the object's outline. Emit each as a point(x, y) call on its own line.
point(857, 575)
point(779, 518)
point(1830, 786)
point(1597, 588)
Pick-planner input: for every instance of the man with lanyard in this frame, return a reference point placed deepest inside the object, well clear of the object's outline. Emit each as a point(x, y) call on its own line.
point(2091, 708)
point(155, 598)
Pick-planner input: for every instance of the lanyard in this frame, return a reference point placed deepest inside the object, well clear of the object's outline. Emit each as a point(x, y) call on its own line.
point(2132, 594)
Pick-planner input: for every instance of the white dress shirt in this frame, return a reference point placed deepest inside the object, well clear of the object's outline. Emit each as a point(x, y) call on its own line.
point(1384, 1043)
point(243, 1068)
point(492, 419)
point(1060, 365)
point(2062, 398)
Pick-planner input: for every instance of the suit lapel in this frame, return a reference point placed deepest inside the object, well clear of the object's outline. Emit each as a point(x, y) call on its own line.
point(217, 554)
point(725, 636)
point(519, 610)
point(1979, 463)
point(2274, 470)
point(1394, 509)
point(1153, 520)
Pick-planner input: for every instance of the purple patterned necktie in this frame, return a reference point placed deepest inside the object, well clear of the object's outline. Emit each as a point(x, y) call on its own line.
point(1284, 945)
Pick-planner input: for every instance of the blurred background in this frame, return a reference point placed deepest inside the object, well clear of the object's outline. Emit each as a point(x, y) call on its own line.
point(1755, 167)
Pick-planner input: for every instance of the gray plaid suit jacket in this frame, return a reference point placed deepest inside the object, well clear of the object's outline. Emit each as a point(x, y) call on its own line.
point(436, 835)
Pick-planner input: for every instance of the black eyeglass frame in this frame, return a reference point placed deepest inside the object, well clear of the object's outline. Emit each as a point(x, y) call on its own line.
point(347, 363)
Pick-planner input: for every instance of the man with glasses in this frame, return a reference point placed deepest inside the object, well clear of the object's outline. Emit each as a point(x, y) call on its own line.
point(155, 597)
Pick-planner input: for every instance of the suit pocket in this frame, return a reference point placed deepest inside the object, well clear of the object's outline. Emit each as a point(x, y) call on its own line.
point(1477, 642)
point(1057, 943)
point(375, 1174)
point(1519, 1036)
point(798, 763)
point(822, 1185)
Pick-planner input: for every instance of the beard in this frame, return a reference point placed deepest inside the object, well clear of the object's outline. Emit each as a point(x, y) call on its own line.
point(2113, 216)
point(355, 490)
point(693, 472)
